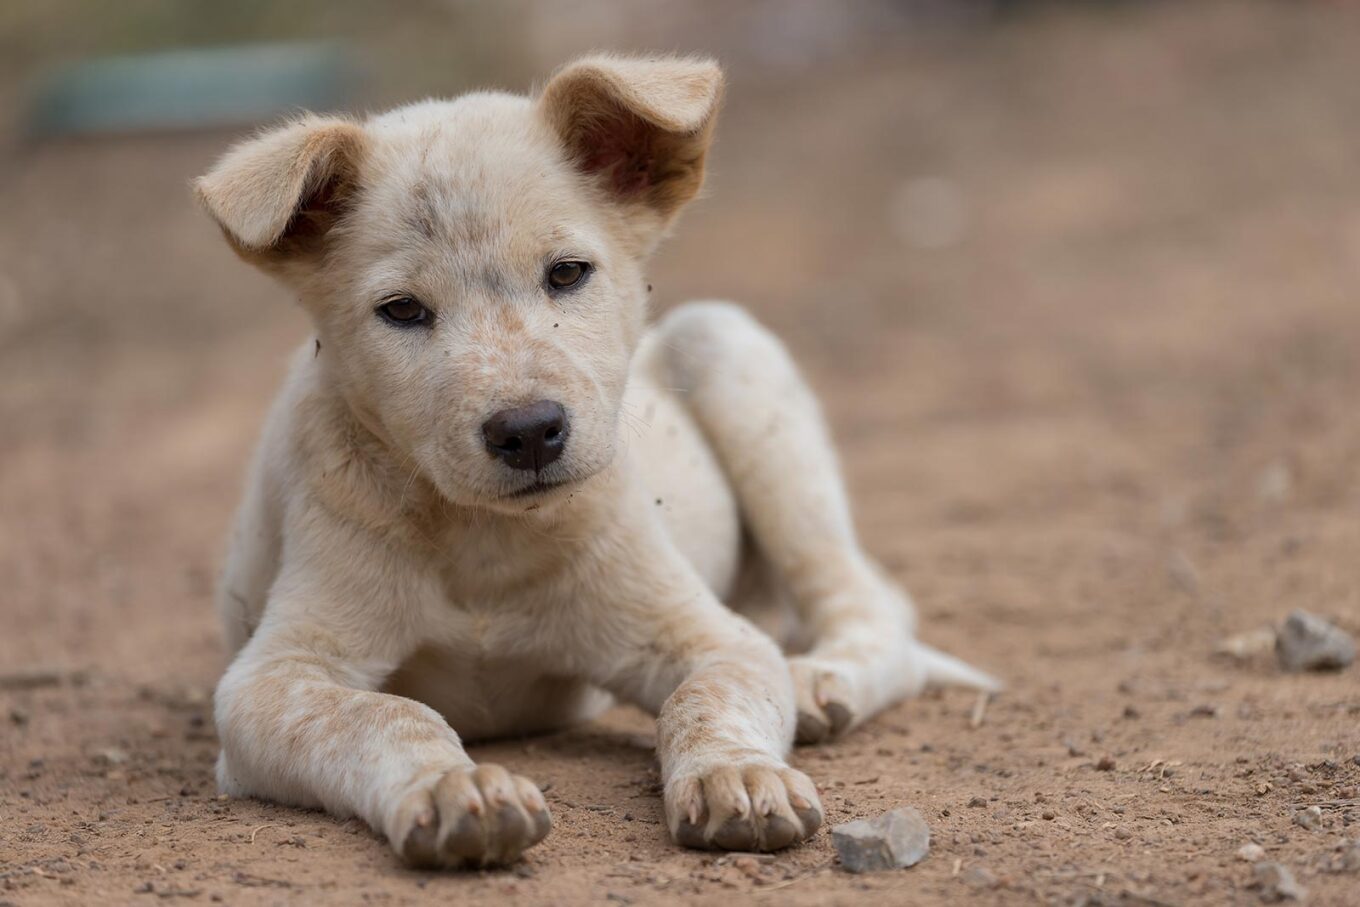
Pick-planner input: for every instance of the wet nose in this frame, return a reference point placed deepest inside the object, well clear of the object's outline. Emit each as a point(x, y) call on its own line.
point(527, 437)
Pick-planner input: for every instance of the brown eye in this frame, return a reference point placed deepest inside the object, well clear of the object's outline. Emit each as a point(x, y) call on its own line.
point(404, 312)
point(566, 274)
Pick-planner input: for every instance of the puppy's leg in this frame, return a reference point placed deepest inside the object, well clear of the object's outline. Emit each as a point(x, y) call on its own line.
point(768, 430)
point(301, 720)
point(720, 688)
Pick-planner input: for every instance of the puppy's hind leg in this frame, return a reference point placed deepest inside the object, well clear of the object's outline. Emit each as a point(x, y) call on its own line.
point(767, 428)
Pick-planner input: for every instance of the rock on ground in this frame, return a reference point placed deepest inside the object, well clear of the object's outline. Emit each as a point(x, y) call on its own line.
point(1350, 857)
point(894, 840)
point(1310, 818)
point(1277, 883)
point(1306, 642)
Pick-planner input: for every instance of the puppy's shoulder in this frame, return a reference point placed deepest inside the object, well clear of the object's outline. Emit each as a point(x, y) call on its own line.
point(317, 452)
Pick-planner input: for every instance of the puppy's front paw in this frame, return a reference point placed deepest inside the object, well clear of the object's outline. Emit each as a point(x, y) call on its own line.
point(751, 807)
point(482, 816)
point(825, 699)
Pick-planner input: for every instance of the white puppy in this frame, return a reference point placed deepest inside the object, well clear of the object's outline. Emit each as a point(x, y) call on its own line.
point(489, 496)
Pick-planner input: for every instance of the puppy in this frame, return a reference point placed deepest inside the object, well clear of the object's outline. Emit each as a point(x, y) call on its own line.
point(489, 498)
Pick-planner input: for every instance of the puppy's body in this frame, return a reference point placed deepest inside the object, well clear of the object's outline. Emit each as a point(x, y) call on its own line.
point(487, 663)
point(488, 498)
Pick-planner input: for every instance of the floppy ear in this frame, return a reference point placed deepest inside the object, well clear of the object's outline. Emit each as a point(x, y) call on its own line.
point(641, 126)
point(277, 194)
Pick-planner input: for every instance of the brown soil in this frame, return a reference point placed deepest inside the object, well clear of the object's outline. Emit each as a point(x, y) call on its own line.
point(1103, 422)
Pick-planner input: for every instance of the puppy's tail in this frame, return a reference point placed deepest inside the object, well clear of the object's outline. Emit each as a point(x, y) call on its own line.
point(944, 670)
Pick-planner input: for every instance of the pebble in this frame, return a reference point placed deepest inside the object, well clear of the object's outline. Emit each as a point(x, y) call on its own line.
point(30, 679)
point(1309, 818)
point(1251, 853)
point(895, 840)
point(1350, 857)
point(1245, 646)
point(1306, 642)
point(1277, 883)
point(980, 877)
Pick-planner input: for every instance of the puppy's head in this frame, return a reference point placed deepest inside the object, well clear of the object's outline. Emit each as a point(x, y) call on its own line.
point(474, 267)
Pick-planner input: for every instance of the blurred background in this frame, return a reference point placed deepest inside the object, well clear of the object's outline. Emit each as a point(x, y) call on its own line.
point(1078, 283)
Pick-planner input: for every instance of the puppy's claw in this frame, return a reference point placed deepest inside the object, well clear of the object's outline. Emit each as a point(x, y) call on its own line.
point(449, 824)
point(840, 717)
point(419, 848)
point(811, 728)
point(753, 808)
point(824, 695)
point(691, 834)
point(780, 833)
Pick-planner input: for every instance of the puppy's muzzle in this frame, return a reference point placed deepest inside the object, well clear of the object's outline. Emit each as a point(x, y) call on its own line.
point(527, 437)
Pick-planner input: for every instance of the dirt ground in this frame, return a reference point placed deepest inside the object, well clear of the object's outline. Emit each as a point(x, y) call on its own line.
point(1080, 292)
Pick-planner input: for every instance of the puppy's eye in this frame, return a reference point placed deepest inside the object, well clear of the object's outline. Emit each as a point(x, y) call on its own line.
point(404, 312)
point(566, 274)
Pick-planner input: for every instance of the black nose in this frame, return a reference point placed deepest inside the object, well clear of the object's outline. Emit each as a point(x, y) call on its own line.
point(527, 437)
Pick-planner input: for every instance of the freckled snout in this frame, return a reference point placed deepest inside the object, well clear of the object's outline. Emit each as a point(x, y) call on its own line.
point(527, 437)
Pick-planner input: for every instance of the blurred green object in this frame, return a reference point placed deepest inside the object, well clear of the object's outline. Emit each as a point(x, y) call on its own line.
point(191, 89)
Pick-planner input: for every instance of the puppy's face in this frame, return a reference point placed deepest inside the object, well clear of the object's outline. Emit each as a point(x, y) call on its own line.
point(474, 267)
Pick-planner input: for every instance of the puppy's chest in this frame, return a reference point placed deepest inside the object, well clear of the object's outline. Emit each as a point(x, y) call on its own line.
point(498, 603)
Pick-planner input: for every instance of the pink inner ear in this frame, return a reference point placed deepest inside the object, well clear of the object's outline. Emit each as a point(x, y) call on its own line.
point(621, 146)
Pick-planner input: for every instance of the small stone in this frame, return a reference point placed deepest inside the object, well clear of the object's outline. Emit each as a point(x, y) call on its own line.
point(748, 866)
point(1251, 853)
point(1122, 834)
point(1306, 642)
point(980, 877)
point(895, 840)
point(1349, 860)
point(1247, 645)
point(1106, 764)
point(1275, 482)
point(1309, 818)
point(977, 803)
point(31, 679)
point(1277, 883)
